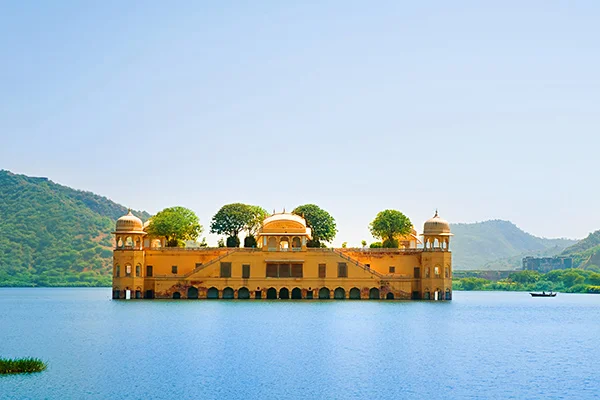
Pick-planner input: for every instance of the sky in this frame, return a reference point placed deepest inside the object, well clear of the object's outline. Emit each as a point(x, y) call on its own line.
point(483, 110)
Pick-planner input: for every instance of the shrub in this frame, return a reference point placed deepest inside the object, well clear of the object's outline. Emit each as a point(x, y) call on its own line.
point(21, 365)
point(233, 241)
point(473, 283)
point(390, 243)
point(250, 241)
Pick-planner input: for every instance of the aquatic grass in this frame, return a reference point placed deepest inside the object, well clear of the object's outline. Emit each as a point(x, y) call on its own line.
point(21, 365)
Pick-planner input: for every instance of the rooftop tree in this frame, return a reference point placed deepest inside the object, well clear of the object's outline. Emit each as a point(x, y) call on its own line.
point(258, 215)
point(176, 225)
point(319, 221)
point(388, 225)
point(230, 220)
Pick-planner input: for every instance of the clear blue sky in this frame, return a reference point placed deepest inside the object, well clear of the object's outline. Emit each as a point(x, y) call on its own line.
point(482, 109)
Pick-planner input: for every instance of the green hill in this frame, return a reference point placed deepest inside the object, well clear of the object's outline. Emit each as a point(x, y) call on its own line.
point(52, 235)
point(585, 252)
point(498, 245)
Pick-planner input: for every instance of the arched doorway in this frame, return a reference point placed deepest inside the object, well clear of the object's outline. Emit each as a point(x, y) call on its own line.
point(324, 293)
point(284, 293)
point(212, 293)
point(243, 293)
point(339, 293)
point(389, 296)
point(284, 244)
point(271, 293)
point(374, 294)
point(176, 295)
point(228, 293)
point(296, 293)
point(355, 293)
point(448, 294)
point(192, 293)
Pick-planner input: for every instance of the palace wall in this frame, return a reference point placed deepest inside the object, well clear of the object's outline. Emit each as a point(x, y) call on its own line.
point(163, 272)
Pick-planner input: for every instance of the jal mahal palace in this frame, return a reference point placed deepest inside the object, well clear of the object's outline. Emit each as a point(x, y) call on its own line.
point(282, 266)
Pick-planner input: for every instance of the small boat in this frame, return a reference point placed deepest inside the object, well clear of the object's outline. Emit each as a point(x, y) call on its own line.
point(543, 294)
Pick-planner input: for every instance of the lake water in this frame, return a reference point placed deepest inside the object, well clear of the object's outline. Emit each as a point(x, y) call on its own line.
point(480, 345)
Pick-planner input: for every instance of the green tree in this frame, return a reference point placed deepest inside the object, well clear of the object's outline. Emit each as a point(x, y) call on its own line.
point(176, 225)
point(572, 278)
point(593, 279)
point(376, 245)
point(321, 223)
point(388, 225)
point(230, 220)
point(525, 277)
point(363, 243)
point(473, 283)
point(257, 217)
point(344, 245)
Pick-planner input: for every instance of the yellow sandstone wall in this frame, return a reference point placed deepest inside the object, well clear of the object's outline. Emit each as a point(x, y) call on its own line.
point(402, 283)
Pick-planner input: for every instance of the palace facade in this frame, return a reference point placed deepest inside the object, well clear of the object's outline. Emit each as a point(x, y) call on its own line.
point(282, 267)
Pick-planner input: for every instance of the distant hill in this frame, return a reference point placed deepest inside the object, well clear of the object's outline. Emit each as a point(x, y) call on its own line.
point(498, 244)
point(52, 235)
point(585, 252)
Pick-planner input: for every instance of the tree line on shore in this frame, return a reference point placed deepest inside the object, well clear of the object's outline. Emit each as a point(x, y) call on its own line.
point(179, 225)
point(572, 280)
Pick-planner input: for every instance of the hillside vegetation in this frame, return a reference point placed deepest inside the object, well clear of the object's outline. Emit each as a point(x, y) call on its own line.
point(572, 280)
point(585, 252)
point(52, 235)
point(498, 245)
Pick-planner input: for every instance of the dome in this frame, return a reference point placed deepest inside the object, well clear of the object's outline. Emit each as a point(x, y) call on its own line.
point(284, 224)
point(285, 217)
point(129, 224)
point(436, 226)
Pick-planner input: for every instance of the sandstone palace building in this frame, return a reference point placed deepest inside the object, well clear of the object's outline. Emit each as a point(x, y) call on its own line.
point(282, 267)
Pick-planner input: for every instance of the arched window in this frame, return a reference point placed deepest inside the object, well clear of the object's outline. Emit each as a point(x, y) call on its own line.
point(272, 244)
point(138, 270)
point(117, 271)
point(137, 243)
point(284, 244)
point(427, 272)
point(447, 272)
point(119, 242)
point(296, 244)
point(156, 243)
point(436, 243)
point(129, 242)
point(436, 272)
point(128, 270)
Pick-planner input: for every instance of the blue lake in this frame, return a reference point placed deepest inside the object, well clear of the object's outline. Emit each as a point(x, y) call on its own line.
point(480, 345)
